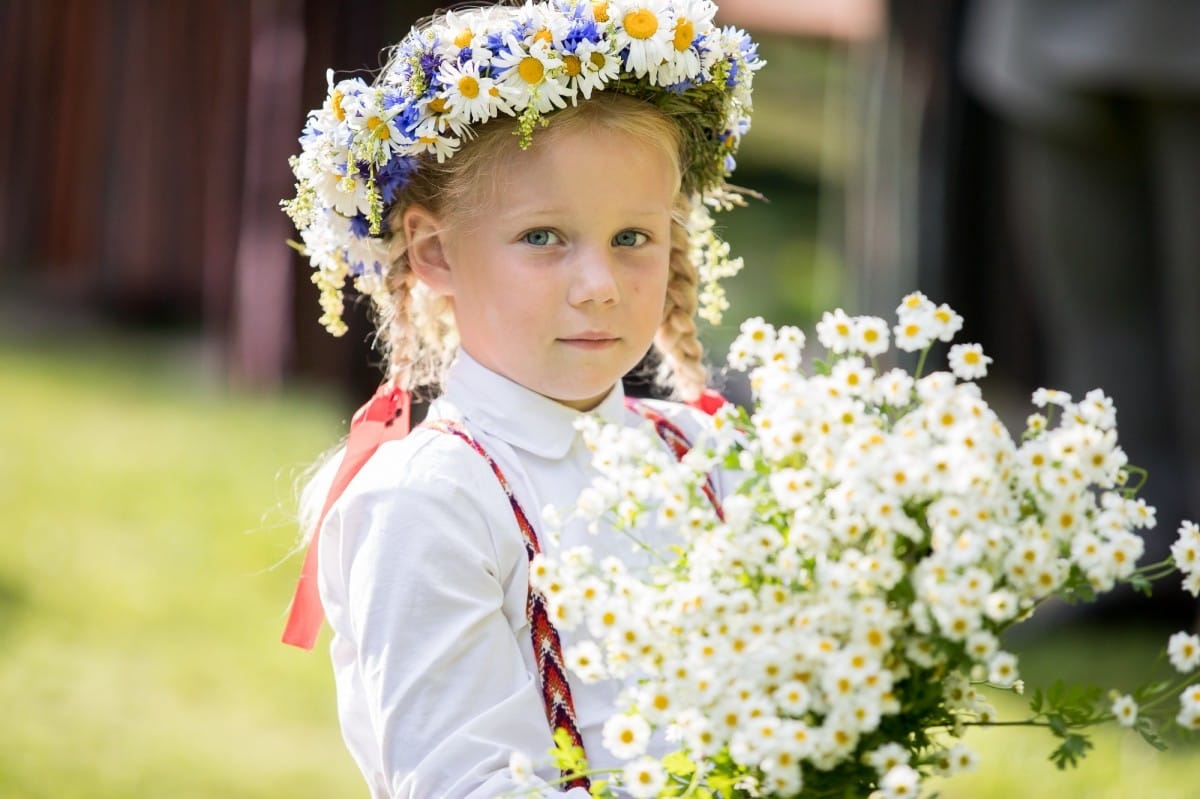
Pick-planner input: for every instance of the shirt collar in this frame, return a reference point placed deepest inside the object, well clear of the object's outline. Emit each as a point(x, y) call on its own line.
point(515, 414)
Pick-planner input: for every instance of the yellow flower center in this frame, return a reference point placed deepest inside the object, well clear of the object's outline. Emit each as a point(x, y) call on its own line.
point(437, 105)
point(573, 65)
point(597, 60)
point(641, 24)
point(544, 35)
point(336, 102)
point(468, 87)
point(531, 70)
point(376, 126)
point(971, 357)
point(685, 31)
point(600, 11)
point(494, 91)
point(463, 39)
point(428, 140)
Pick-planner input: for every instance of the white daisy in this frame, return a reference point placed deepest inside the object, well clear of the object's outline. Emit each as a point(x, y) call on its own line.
point(644, 778)
point(521, 768)
point(590, 67)
point(441, 146)
point(682, 62)
point(530, 73)
point(915, 332)
point(1183, 650)
point(916, 302)
point(835, 331)
point(646, 28)
point(1125, 709)
point(470, 96)
point(946, 322)
point(968, 362)
point(626, 736)
point(463, 29)
point(870, 335)
point(547, 24)
point(901, 782)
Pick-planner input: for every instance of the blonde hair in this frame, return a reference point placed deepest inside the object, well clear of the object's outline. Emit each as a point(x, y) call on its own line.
point(416, 330)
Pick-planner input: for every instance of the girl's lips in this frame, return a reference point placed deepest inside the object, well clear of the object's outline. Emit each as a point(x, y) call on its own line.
point(590, 340)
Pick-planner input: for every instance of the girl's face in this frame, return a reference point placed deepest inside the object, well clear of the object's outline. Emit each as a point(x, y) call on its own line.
point(559, 281)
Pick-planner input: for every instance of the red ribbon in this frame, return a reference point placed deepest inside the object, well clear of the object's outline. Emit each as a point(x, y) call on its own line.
point(709, 401)
point(386, 416)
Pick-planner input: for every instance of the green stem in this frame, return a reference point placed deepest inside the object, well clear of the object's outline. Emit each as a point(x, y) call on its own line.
point(1030, 722)
point(921, 362)
point(1155, 571)
point(1170, 692)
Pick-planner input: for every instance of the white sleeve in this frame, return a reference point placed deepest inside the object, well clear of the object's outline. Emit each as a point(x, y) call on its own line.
point(426, 561)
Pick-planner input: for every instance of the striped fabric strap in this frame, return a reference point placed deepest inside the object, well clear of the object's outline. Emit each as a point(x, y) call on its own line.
point(547, 648)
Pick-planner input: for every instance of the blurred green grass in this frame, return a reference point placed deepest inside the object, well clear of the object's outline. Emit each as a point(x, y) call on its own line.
point(146, 515)
point(140, 612)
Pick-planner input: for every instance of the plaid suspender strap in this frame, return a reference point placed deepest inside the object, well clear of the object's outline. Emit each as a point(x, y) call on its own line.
point(547, 648)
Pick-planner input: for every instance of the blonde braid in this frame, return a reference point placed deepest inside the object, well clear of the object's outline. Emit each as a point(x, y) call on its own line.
point(677, 340)
point(417, 335)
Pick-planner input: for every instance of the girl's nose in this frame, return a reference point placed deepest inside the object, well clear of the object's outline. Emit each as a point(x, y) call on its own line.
point(593, 279)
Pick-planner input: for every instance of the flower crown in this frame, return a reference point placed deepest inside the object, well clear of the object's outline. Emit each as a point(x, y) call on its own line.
point(467, 67)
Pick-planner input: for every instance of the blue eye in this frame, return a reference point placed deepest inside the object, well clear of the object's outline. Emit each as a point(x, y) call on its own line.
point(540, 238)
point(629, 238)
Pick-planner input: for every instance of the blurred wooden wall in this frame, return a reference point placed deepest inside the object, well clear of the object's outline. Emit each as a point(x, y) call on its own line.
point(144, 151)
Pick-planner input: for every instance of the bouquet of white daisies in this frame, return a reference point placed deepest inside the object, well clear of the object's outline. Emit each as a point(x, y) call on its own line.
point(827, 630)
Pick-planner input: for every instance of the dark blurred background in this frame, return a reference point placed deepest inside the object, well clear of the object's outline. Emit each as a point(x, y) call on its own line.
point(146, 154)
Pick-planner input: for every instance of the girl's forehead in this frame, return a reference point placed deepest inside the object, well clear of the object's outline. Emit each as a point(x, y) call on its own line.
point(583, 161)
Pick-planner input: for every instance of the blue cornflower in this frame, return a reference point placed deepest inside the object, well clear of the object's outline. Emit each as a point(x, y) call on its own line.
point(731, 77)
point(408, 118)
point(495, 43)
point(583, 30)
point(393, 176)
point(311, 133)
point(430, 64)
point(359, 226)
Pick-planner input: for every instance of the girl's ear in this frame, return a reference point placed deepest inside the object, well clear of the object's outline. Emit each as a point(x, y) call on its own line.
point(426, 249)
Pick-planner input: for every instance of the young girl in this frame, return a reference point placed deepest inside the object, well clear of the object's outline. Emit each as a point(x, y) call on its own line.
point(521, 193)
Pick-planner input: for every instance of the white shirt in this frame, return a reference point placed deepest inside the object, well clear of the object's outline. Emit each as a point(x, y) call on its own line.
point(424, 577)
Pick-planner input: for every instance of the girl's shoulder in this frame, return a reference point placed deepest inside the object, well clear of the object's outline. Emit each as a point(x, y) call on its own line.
point(426, 467)
point(426, 460)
